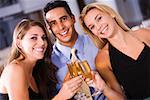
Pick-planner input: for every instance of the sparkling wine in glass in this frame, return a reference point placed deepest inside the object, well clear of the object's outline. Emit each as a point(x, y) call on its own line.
point(78, 68)
point(82, 68)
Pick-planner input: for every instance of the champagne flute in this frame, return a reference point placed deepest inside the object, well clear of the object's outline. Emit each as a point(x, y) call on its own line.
point(82, 68)
point(75, 69)
point(86, 72)
point(85, 69)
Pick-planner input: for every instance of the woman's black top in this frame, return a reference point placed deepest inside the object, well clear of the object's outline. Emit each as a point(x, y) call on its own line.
point(32, 95)
point(133, 75)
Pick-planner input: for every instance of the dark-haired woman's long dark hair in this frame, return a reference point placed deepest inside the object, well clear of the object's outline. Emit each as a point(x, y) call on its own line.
point(44, 74)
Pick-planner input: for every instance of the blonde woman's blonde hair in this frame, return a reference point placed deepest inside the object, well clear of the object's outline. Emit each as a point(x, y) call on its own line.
point(106, 9)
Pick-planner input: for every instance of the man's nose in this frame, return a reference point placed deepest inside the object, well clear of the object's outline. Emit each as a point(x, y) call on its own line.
point(61, 26)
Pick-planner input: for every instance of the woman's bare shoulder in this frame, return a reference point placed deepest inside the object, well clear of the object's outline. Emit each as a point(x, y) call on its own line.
point(13, 69)
point(14, 65)
point(143, 35)
point(102, 57)
point(13, 74)
point(140, 33)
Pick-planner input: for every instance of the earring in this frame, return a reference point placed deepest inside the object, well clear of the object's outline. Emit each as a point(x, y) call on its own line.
point(113, 16)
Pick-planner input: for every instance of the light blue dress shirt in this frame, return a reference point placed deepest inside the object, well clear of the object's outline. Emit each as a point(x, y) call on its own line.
point(86, 50)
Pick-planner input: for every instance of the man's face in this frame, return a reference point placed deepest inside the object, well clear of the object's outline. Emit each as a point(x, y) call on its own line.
point(61, 24)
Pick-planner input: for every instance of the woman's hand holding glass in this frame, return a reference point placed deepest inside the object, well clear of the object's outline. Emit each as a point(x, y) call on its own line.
point(70, 87)
point(97, 82)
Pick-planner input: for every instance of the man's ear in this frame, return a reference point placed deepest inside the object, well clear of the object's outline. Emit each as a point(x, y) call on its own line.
point(73, 18)
point(47, 26)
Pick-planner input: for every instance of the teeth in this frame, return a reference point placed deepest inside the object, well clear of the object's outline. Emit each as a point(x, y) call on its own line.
point(39, 49)
point(104, 29)
point(64, 33)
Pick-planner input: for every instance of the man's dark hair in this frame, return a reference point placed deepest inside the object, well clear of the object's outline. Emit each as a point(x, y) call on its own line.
point(57, 3)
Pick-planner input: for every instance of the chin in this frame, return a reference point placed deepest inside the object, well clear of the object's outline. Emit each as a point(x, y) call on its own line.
point(39, 57)
point(66, 39)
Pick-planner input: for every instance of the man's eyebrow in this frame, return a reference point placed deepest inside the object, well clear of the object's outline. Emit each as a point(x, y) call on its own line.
point(53, 21)
point(63, 16)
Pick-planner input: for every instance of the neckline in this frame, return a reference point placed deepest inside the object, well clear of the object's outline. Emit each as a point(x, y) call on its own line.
point(132, 59)
point(3, 93)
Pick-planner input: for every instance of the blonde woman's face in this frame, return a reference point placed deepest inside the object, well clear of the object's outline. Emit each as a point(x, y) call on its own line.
point(34, 43)
point(99, 23)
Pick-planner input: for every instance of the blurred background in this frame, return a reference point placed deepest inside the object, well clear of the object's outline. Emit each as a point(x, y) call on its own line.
point(136, 14)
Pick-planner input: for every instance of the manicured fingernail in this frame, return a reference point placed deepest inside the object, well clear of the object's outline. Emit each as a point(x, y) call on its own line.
point(80, 76)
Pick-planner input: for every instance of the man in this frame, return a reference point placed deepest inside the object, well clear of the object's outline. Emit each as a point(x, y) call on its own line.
point(60, 21)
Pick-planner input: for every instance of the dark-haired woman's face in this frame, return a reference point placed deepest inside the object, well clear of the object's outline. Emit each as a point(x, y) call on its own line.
point(34, 43)
point(99, 23)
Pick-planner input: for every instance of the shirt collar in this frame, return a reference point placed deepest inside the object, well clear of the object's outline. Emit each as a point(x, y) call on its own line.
point(66, 51)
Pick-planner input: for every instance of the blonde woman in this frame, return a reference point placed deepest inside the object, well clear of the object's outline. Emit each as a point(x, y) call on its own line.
point(124, 61)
